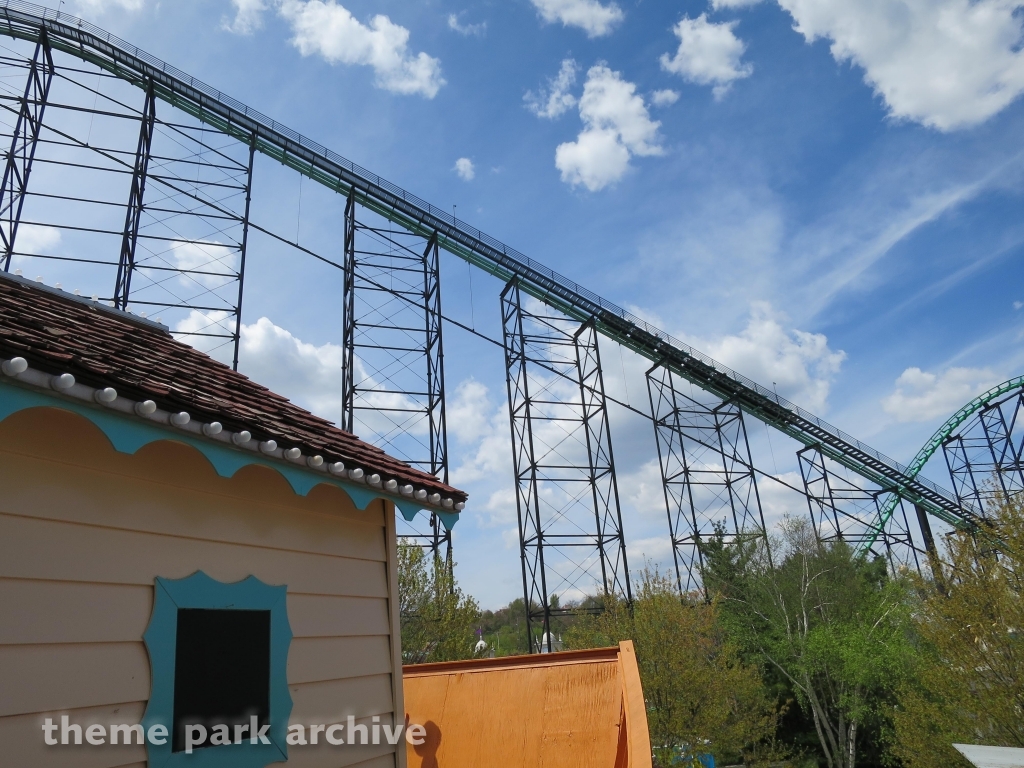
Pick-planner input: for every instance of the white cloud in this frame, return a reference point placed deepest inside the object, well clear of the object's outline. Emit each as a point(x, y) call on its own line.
point(945, 63)
point(37, 238)
point(708, 54)
point(208, 324)
point(323, 27)
point(555, 100)
point(248, 17)
point(643, 490)
point(922, 396)
point(464, 167)
point(798, 364)
point(308, 375)
point(720, 4)
point(664, 97)
point(210, 257)
point(1018, 304)
point(466, 29)
point(469, 411)
point(656, 549)
point(589, 15)
point(616, 125)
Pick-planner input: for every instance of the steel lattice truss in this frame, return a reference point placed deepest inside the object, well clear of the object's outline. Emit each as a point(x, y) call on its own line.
point(984, 454)
point(180, 229)
point(567, 499)
point(706, 470)
point(393, 375)
point(145, 176)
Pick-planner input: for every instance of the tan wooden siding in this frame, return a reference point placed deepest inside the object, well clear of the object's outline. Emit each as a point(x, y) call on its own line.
point(84, 531)
point(97, 613)
point(35, 548)
point(22, 737)
point(114, 500)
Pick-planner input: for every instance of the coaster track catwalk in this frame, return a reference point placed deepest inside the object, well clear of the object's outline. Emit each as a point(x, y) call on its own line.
point(394, 369)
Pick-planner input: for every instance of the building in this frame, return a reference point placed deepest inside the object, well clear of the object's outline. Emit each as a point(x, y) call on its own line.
point(179, 546)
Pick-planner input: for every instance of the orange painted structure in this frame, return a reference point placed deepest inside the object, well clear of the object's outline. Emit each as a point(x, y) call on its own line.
point(576, 709)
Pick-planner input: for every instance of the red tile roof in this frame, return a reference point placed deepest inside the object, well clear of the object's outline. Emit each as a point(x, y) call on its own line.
point(101, 347)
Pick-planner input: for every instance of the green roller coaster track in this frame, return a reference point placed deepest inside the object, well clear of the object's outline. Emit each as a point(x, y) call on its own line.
point(933, 444)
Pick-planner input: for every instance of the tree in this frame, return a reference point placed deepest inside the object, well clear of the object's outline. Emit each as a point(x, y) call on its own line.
point(968, 684)
point(700, 697)
point(831, 624)
point(437, 616)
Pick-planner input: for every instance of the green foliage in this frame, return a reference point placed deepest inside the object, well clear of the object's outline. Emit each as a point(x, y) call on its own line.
point(700, 696)
point(968, 681)
point(438, 618)
point(833, 627)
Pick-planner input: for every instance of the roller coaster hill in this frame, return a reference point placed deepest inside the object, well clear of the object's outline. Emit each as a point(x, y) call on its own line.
point(150, 176)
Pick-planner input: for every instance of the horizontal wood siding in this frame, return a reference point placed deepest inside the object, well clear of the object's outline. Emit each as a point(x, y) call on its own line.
point(84, 531)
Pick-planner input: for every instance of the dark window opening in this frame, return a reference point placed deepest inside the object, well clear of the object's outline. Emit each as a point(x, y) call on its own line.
point(221, 671)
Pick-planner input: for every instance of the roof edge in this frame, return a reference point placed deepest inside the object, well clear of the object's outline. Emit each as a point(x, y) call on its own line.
point(128, 435)
point(122, 315)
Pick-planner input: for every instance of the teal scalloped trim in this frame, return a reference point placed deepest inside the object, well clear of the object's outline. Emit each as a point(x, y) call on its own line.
point(201, 591)
point(128, 435)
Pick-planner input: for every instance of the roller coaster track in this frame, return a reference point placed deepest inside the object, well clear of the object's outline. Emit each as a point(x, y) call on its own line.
point(87, 42)
point(936, 441)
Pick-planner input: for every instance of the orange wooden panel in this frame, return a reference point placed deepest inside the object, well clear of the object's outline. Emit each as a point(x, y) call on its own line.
point(579, 709)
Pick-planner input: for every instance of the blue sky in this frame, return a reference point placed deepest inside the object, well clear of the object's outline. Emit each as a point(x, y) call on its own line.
point(824, 195)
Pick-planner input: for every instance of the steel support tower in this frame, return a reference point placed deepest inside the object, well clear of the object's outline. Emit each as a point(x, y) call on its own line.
point(393, 375)
point(567, 499)
point(181, 227)
point(706, 472)
point(984, 455)
point(848, 509)
point(24, 141)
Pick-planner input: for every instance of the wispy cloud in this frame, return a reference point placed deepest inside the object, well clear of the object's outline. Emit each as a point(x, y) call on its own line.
point(555, 100)
point(466, 30)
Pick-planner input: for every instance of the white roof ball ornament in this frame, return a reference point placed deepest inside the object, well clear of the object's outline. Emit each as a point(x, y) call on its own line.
point(145, 408)
point(63, 382)
point(14, 366)
point(105, 396)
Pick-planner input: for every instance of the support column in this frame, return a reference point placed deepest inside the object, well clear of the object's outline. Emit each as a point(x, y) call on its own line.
point(133, 215)
point(393, 390)
point(929, 543)
point(821, 501)
point(999, 424)
point(956, 449)
point(570, 527)
point(243, 247)
point(604, 487)
point(27, 128)
point(706, 472)
point(441, 543)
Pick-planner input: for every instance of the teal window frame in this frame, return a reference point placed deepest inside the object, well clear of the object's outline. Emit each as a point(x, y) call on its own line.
point(201, 591)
